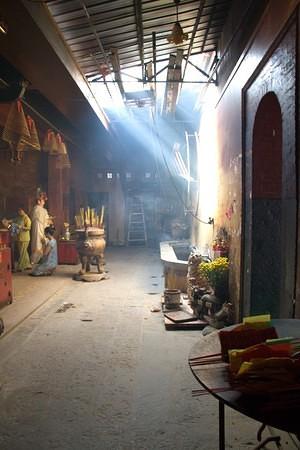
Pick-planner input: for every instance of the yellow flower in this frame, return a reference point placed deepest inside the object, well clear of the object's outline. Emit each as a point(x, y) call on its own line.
point(216, 271)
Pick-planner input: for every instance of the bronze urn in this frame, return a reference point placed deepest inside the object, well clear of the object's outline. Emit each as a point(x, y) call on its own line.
point(90, 244)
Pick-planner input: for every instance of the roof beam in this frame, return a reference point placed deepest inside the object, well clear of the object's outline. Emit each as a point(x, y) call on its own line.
point(154, 56)
point(173, 79)
point(66, 68)
point(94, 32)
point(208, 27)
point(198, 68)
point(140, 32)
point(200, 9)
point(117, 70)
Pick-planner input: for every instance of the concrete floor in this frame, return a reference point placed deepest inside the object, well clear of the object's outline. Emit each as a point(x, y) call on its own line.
point(104, 374)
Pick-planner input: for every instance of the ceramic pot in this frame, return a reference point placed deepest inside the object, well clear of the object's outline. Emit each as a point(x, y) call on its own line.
point(172, 298)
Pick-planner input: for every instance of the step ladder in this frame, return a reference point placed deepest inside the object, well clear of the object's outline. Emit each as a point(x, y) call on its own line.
point(136, 223)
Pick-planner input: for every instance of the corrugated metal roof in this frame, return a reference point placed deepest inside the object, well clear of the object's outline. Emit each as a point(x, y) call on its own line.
point(92, 26)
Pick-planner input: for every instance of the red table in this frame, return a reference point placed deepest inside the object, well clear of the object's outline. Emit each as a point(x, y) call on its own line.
point(67, 253)
point(5, 268)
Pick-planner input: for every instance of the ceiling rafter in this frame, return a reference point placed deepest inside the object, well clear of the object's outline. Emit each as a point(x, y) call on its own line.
point(94, 32)
point(195, 28)
point(122, 33)
point(140, 32)
point(125, 35)
point(208, 28)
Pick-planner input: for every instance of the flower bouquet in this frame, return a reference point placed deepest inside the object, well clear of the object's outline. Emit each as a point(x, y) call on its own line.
point(216, 273)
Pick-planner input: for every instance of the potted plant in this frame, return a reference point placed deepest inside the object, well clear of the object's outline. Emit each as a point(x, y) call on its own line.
point(216, 273)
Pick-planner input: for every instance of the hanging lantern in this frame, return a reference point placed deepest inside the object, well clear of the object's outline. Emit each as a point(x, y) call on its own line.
point(61, 147)
point(50, 143)
point(16, 128)
point(34, 138)
point(104, 70)
point(16, 131)
point(177, 35)
point(63, 161)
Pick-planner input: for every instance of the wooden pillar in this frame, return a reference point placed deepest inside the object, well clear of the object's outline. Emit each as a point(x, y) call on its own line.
point(55, 194)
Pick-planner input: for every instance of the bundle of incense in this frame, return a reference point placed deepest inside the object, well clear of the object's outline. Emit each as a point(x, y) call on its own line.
point(88, 216)
point(77, 222)
point(205, 362)
point(212, 355)
point(198, 392)
point(82, 218)
point(206, 359)
point(101, 217)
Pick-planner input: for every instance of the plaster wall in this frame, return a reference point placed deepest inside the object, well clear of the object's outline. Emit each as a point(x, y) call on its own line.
point(229, 164)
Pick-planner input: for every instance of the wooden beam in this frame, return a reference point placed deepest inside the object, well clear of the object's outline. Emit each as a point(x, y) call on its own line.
point(49, 36)
point(195, 28)
point(140, 32)
point(117, 70)
point(173, 81)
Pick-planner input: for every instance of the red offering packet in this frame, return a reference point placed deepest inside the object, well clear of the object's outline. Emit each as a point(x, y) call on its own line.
point(243, 337)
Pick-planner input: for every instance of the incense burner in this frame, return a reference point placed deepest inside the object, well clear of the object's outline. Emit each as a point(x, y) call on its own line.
point(90, 244)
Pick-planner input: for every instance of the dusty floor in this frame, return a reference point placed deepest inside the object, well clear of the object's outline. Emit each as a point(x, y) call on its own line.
point(104, 374)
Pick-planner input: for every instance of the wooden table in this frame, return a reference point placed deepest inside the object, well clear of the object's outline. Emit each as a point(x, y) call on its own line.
point(67, 252)
point(281, 412)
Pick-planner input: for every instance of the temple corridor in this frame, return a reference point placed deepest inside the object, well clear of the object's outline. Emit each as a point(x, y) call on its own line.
point(104, 374)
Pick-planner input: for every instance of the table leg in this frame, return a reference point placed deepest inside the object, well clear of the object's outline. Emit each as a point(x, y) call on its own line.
point(221, 426)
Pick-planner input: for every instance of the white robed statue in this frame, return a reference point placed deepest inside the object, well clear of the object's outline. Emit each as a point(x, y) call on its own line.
point(39, 221)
